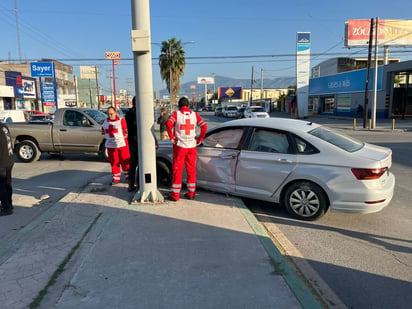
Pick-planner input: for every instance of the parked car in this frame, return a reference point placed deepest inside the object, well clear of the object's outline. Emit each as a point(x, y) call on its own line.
point(303, 166)
point(41, 118)
point(72, 130)
point(119, 112)
point(255, 112)
point(12, 115)
point(219, 111)
point(230, 111)
point(240, 112)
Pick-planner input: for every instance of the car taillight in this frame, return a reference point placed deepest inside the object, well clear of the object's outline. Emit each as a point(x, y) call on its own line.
point(368, 173)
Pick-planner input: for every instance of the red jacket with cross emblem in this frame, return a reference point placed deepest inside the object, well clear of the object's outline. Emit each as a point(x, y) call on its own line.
point(115, 133)
point(181, 126)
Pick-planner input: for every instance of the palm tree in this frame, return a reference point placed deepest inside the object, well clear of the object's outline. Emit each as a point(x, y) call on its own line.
point(172, 63)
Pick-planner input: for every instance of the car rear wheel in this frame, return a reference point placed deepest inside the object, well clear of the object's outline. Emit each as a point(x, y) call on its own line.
point(164, 173)
point(305, 201)
point(27, 151)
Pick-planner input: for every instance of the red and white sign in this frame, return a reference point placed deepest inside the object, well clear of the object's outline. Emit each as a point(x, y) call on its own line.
point(116, 62)
point(392, 32)
point(192, 86)
point(112, 55)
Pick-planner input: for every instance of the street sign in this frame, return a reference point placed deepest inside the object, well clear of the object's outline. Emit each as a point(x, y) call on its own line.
point(192, 86)
point(41, 69)
point(116, 62)
point(112, 55)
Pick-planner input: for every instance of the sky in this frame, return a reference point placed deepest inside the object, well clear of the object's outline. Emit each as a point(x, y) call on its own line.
point(214, 34)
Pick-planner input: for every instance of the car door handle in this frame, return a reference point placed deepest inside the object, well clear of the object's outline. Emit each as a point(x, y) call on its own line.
point(63, 130)
point(230, 156)
point(283, 160)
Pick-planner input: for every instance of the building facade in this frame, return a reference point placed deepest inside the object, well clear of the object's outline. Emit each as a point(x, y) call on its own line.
point(341, 94)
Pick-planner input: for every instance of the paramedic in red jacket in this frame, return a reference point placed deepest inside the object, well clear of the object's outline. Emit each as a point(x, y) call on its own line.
point(181, 128)
point(114, 130)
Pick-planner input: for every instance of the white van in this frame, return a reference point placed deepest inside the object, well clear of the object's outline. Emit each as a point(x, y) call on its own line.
point(11, 115)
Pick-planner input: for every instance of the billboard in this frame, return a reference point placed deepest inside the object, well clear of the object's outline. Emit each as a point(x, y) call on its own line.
point(15, 80)
point(227, 93)
point(88, 72)
point(205, 80)
point(391, 32)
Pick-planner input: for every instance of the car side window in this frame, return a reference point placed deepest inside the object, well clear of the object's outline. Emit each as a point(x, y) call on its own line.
point(304, 147)
point(269, 141)
point(224, 139)
point(72, 118)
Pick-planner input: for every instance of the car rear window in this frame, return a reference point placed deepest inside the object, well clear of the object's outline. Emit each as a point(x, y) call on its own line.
point(338, 139)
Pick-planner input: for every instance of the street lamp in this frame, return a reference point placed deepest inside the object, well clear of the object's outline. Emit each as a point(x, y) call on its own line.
point(214, 85)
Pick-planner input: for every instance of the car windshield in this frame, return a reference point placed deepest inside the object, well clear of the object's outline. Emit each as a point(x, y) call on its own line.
point(338, 139)
point(257, 109)
point(97, 115)
point(232, 108)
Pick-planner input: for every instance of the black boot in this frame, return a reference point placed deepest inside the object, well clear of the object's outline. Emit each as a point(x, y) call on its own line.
point(131, 186)
point(6, 211)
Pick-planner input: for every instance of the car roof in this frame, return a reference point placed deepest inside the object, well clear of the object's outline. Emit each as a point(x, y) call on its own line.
point(291, 125)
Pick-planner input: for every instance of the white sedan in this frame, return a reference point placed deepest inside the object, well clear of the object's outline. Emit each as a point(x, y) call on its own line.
point(255, 112)
point(306, 167)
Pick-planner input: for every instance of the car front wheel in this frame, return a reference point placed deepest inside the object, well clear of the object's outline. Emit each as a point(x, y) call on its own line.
point(305, 201)
point(27, 151)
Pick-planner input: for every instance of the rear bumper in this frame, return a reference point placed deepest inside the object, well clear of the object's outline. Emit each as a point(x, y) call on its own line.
point(356, 202)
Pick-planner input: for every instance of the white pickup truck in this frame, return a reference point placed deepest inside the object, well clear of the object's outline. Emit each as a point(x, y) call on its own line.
point(72, 130)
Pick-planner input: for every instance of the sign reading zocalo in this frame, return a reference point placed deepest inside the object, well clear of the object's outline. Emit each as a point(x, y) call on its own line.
point(41, 69)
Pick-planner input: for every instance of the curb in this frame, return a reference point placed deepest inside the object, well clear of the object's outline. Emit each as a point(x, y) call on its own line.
point(281, 264)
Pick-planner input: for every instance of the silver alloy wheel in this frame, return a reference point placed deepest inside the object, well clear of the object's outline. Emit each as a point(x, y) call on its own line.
point(305, 200)
point(26, 152)
point(304, 203)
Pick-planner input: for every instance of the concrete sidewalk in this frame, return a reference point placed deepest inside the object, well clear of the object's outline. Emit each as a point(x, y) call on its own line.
point(95, 250)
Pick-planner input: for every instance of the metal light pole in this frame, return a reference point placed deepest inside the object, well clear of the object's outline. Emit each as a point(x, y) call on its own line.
point(144, 103)
point(214, 85)
point(375, 80)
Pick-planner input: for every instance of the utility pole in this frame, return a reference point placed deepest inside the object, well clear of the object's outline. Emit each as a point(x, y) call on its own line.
point(366, 107)
point(251, 89)
point(375, 80)
point(17, 28)
point(90, 94)
point(142, 58)
point(261, 85)
point(97, 87)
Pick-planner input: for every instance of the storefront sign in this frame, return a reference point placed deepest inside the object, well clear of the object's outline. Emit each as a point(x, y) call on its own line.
point(42, 69)
point(347, 82)
point(48, 93)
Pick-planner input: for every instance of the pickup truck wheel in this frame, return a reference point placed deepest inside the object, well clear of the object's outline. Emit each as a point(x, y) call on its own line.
point(27, 151)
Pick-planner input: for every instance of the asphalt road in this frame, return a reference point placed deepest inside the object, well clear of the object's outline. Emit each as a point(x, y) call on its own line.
point(364, 259)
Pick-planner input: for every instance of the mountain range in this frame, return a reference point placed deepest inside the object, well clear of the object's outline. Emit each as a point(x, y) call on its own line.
point(222, 81)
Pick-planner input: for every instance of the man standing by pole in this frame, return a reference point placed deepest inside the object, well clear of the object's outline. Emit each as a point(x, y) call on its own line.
point(181, 128)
